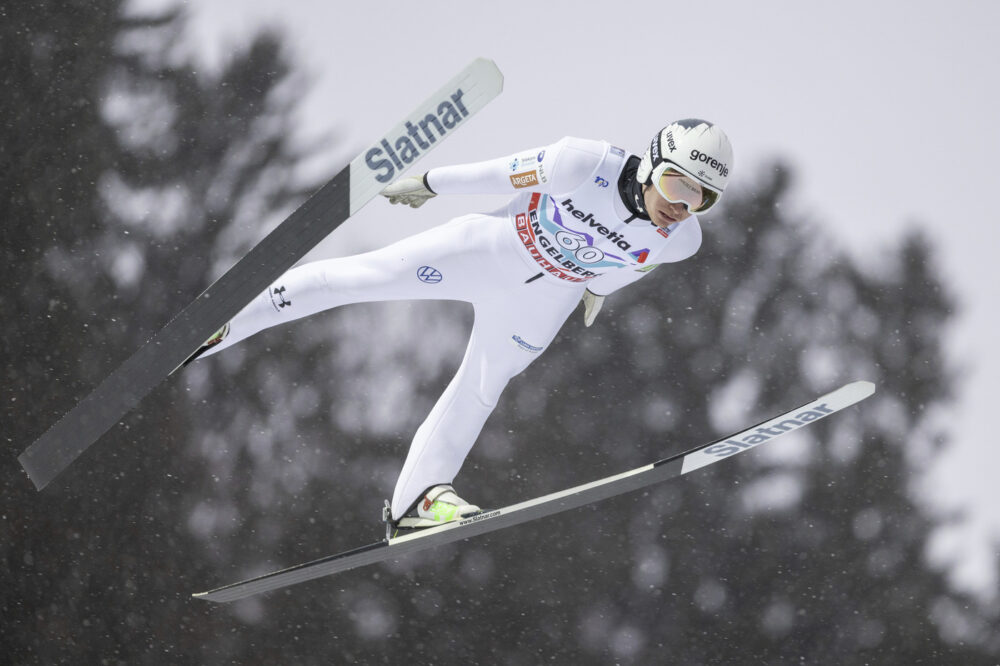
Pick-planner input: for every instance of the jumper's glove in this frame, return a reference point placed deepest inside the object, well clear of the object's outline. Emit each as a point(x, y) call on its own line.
point(412, 191)
point(591, 306)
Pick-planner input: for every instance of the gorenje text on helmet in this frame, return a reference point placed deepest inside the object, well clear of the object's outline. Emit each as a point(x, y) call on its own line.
point(698, 156)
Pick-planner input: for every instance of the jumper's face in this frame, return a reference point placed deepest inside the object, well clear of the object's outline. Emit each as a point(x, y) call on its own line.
point(662, 212)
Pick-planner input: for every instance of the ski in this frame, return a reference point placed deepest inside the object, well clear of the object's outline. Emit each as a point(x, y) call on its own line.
point(489, 521)
point(354, 186)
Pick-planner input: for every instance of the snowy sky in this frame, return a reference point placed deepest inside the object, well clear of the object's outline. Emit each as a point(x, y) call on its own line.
point(888, 111)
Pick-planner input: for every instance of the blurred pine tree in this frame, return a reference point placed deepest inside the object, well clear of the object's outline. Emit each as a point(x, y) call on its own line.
point(124, 173)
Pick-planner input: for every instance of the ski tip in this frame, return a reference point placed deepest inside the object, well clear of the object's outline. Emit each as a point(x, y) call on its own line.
point(863, 388)
point(851, 393)
point(490, 65)
point(486, 70)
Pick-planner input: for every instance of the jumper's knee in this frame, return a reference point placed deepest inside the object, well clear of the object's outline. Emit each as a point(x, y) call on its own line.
point(494, 380)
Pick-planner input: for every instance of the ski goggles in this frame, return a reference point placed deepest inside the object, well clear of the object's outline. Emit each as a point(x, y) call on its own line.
point(677, 187)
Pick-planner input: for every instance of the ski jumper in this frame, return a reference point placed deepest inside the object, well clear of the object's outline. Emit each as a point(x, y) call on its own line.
point(575, 223)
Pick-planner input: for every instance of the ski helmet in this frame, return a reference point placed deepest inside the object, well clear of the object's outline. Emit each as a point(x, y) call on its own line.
point(694, 148)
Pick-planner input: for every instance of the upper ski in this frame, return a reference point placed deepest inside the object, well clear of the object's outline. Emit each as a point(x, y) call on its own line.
point(354, 186)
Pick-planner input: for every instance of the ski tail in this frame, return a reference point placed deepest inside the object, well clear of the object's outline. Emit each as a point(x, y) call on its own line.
point(541, 507)
point(354, 186)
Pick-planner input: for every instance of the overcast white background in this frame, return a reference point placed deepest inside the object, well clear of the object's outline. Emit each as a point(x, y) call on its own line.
point(887, 111)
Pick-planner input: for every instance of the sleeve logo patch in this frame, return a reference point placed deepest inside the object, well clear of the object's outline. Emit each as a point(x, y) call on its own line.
point(526, 179)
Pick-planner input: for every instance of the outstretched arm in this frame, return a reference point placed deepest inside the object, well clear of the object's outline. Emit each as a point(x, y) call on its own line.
point(559, 167)
point(412, 191)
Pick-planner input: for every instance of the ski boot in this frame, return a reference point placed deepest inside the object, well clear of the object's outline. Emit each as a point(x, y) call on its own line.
point(437, 506)
point(219, 336)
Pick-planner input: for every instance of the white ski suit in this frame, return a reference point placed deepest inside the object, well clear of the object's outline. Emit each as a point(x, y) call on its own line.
point(524, 269)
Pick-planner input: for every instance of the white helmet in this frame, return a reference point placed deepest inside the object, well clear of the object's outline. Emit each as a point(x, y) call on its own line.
point(694, 147)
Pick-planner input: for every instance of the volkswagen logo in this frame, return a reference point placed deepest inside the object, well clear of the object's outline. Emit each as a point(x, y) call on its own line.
point(429, 274)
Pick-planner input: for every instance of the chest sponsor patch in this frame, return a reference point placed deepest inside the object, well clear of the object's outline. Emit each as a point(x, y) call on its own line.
point(541, 248)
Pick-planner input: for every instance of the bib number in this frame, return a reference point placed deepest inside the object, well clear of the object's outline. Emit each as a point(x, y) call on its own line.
point(577, 244)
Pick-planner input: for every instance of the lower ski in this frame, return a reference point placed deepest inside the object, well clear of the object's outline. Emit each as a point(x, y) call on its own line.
point(324, 211)
point(489, 521)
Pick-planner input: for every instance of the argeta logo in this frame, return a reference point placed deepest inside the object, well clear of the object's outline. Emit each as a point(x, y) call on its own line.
point(600, 182)
point(429, 274)
point(526, 179)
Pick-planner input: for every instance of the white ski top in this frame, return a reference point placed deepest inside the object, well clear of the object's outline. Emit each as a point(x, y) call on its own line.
point(569, 215)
